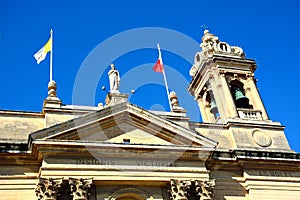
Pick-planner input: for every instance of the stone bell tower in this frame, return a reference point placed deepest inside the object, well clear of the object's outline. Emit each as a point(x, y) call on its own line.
point(224, 87)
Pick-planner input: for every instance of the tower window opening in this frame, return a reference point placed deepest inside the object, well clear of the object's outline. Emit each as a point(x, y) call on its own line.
point(126, 141)
point(213, 105)
point(240, 100)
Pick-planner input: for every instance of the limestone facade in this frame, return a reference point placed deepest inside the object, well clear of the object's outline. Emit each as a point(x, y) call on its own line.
point(120, 151)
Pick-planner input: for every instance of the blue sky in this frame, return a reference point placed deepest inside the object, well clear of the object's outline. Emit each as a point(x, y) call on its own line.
point(268, 32)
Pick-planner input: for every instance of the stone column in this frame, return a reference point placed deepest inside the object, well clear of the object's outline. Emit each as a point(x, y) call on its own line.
point(48, 188)
point(80, 188)
point(228, 105)
point(203, 110)
point(256, 96)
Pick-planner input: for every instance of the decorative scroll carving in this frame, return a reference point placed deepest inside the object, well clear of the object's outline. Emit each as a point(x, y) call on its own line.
point(80, 188)
point(211, 45)
point(48, 188)
point(191, 190)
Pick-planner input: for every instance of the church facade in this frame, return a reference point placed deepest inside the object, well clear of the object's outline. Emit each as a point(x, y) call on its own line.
point(121, 151)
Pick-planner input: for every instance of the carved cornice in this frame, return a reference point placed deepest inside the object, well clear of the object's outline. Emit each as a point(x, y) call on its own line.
point(48, 188)
point(191, 189)
point(80, 188)
point(255, 155)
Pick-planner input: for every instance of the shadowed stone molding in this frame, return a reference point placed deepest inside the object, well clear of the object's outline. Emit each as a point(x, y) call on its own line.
point(80, 188)
point(48, 188)
point(191, 189)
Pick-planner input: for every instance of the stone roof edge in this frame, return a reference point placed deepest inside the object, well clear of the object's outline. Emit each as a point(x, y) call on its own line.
point(109, 111)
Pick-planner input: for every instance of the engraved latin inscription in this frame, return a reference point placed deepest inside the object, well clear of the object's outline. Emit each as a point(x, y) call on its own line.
point(274, 173)
point(109, 162)
point(95, 162)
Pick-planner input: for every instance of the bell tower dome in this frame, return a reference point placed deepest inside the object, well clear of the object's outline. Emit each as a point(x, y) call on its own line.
point(224, 87)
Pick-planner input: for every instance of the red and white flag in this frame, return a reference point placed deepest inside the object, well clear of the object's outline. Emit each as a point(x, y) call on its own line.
point(159, 66)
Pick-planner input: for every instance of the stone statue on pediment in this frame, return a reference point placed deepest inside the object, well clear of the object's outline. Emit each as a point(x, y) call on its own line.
point(114, 80)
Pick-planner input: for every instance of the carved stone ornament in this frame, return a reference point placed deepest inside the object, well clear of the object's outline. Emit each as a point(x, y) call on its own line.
point(191, 190)
point(174, 102)
point(80, 188)
point(211, 45)
point(48, 188)
point(261, 138)
point(205, 189)
point(196, 65)
point(179, 189)
point(52, 95)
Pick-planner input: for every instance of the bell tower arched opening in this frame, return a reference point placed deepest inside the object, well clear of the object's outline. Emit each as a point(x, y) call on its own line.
point(238, 95)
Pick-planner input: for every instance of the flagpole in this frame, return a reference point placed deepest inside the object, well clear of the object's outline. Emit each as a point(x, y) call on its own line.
point(165, 78)
point(51, 52)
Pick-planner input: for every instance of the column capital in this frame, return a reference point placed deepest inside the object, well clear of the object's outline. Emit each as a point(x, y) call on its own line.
point(179, 189)
point(80, 188)
point(191, 189)
point(48, 188)
point(222, 72)
point(250, 76)
point(205, 189)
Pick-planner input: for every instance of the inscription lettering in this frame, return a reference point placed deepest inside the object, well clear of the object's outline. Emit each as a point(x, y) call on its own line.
point(108, 162)
point(274, 173)
point(154, 163)
point(6, 172)
point(95, 162)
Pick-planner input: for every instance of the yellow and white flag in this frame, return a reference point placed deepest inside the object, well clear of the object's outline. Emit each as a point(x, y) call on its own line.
point(41, 54)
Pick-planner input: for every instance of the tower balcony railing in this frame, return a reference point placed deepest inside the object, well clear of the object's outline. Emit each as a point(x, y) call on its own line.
point(249, 114)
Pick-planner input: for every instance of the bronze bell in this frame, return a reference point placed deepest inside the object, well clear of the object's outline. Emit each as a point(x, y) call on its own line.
point(213, 107)
point(241, 101)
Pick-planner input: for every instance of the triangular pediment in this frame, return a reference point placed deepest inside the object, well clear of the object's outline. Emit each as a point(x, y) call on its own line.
point(124, 123)
point(138, 136)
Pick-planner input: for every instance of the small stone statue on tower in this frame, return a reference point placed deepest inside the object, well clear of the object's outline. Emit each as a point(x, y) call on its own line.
point(114, 80)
